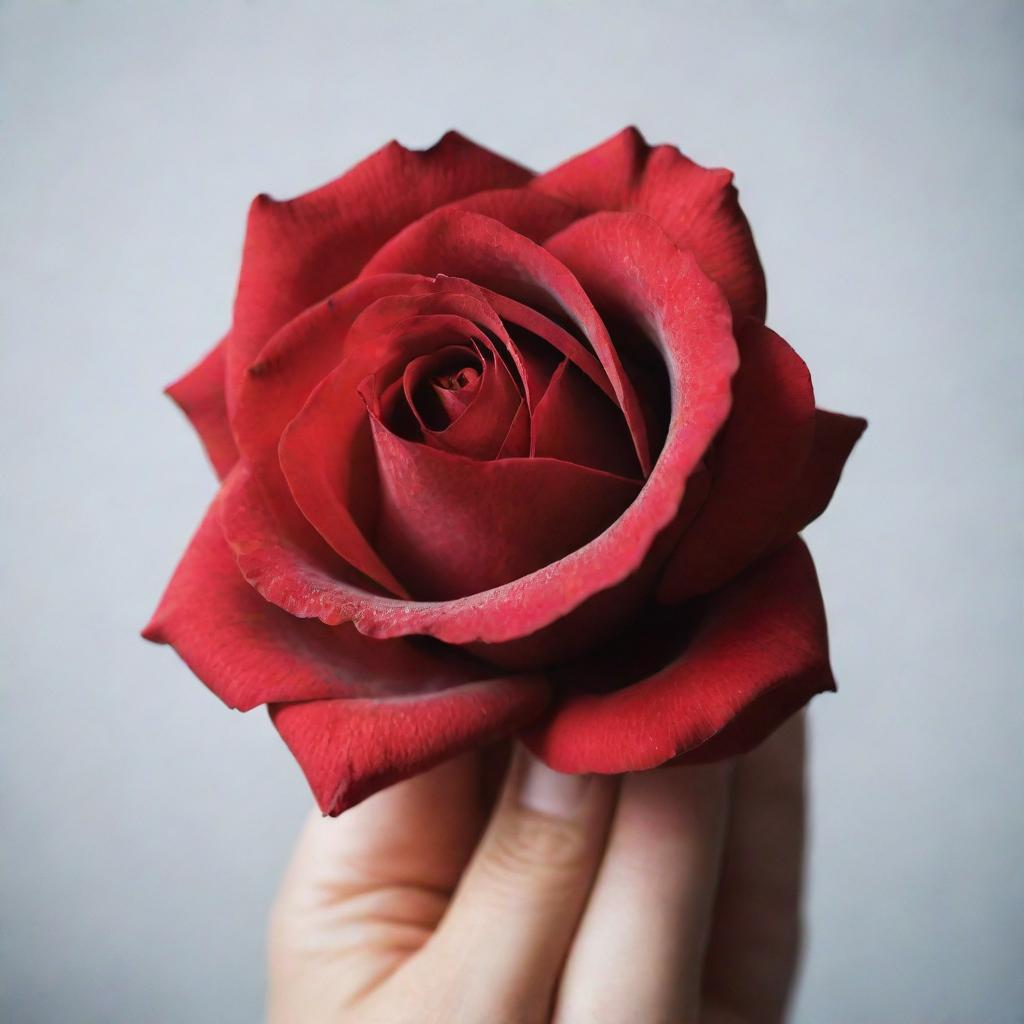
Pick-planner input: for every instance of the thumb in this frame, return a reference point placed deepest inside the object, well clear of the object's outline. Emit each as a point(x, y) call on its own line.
point(513, 915)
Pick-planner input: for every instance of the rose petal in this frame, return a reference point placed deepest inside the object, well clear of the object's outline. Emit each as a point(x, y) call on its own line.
point(300, 356)
point(480, 427)
point(723, 674)
point(574, 422)
point(698, 208)
point(441, 386)
point(486, 252)
point(560, 340)
point(299, 251)
point(758, 458)
point(349, 749)
point(369, 712)
point(250, 652)
point(631, 257)
point(200, 396)
point(605, 614)
point(517, 441)
point(326, 453)
point(533, 214)
point(834, 437)
point(450, 526)
point(310, 347)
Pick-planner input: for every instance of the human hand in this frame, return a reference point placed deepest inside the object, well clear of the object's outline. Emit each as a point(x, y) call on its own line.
point(666, 896)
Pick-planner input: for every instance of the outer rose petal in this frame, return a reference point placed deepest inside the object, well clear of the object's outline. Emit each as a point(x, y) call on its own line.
point(299, 251)
point(698, 208)
point(834, 438)
point(200, 396)
point(758, 458)
point(753, 653)
point(349, 749)
point(250, 652)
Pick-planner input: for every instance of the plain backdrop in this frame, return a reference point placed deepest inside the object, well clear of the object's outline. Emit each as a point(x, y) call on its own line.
point(880, 156)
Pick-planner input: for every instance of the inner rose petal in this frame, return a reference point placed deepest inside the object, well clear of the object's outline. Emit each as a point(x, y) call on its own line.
point(478, 413)
point(326, 453)
point(450, 526)
point(456, 390)
point(439, 386)
point(499, 260)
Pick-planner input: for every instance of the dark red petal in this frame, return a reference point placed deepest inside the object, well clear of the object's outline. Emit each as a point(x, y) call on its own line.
point(300, 356)
point(698, 208)
point(486, 252)
point(533, 214)
point(758, 458)
point(604, 614)
point(627, 257)
point(450, 526)
point(326, 452)
point(517, 441)
point(755, 650)
point(310, 347)
point(200, 396)
point(250, 652)
point(560, 340)
point(638, 278)
point(478, 425)
point(574, 422)
point(349, 749)
point(834, 438)
point(441, 386)
point(299, 251)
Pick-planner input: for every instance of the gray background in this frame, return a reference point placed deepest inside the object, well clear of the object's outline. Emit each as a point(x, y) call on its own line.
point(879, 151)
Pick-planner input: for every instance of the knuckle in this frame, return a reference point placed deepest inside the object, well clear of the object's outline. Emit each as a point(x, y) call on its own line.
point(529, 844)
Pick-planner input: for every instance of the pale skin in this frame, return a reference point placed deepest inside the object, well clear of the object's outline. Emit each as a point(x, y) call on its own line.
point(664, 897)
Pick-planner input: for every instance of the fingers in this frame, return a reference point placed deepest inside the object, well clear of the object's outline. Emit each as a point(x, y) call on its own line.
point(422, 830)
point(637, 955)
point(754, 943)
point(506, 933)
point(365, 890)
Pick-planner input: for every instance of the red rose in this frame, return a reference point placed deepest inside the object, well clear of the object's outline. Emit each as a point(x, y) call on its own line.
point(506, 453)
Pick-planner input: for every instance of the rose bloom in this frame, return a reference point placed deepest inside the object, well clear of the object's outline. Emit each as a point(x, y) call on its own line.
point(504, 453)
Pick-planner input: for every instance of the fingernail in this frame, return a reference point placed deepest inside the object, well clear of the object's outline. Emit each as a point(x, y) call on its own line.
point(550, 792)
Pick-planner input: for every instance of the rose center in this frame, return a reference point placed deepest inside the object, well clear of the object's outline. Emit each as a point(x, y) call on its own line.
point(440, 385)
point(464, 378)
point(457, 381)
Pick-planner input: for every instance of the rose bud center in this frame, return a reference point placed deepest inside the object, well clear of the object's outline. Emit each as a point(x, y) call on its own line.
point(456, 390)
point(441, 392)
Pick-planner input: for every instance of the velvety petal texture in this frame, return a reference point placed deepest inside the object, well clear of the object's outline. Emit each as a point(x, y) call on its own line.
point(357, 714)
point(762, 634)
point(698, 208)
point(692, 326)
point(300, 250)
point(506, 454)
point(348, 749)
point(755, 464)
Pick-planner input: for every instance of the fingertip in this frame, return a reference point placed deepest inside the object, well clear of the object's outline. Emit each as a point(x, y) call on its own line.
point(546, 791)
